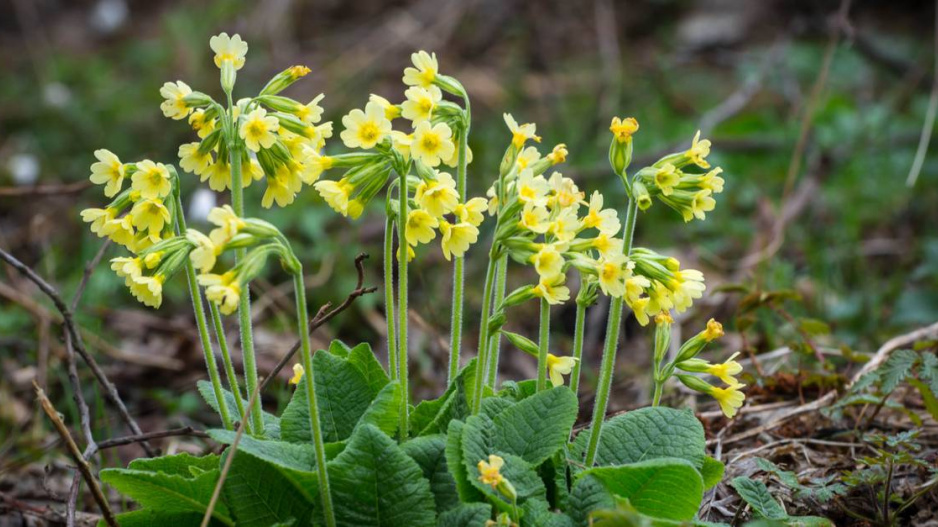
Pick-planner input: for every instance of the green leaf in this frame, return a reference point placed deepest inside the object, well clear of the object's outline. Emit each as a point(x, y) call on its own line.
point(896, 369)
point(150, 517)
point(339, 349)
point(647, 433)
point(385, 409)
point(588, 495)
point(434, 416)
point(271, 422)
point(537, 513)
point(929, 371)
point(758, 497)
point(184, 464)
point(537, 427)
point(454, 461)
point(168, 493)
point(363, 358)
point(517, 391)
point(712, 472)
point(343, 395)
point(466, 515)
point(260, 494)
point(374, 483)
point(664, 488)
point(478, 442)
point(430, 453)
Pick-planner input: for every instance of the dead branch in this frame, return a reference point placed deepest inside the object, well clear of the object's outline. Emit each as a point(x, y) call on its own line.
point(76, 454)
point(325, 314)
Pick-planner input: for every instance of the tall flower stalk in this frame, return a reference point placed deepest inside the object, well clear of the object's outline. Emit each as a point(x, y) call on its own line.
point(402, 358)
point(455, 344)
point(390, 321)
point(543, 345)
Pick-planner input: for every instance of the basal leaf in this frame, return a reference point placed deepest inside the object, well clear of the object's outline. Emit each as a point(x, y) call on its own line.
point(537, 513)
point(478, 442)
point(168, 493)
point(363, 358)
point(538, 426)
point(457, 467)
point(185, 464)
point(430, 453)
point(384, 410)
point(669, 488)
point(150, 517)
point(588, 495)
point(433, 416)
point(466, 515)
point(260, 494)
point(647, 433)
point(758, 497)
point(271, 422)
point(374, 483)
point(711, 471)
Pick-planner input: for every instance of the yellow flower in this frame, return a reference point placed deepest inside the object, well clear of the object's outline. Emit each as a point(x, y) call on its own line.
point(98, 218)
point(391, 111)
point(401, 142)
point(174, 106)
point(457, 238)
point(127, 268)
point(660, 298)
point(521, 133)
point(666, 178)
point(152, 260)
point(424, 71)
point(121, 230)
point(297, 374)
point(148, 289)
point(410, 253)
point(688, 285)
point(108, 171)
point(564, 191)
point(714, 330)
point(229, 49)
point(490, 471)
point(702, 203)
point(607, 245)
point(218, 175)
point(606, 221)
point(365, 129)
point(532, 189)
point(472, 211)
point(420, 103)
point(623, 128)
point(558, 367)
point(453, 160)
point(726, 371)
point(228, 223)
point(712, 181)
point(205, 253)
point(150, 215)
point(639, 308)
point(314, 164)
point(355, 208)
point(137, 241)
point(201, 123)
point(310, 113)
point(336, 194)
point(193, 161)
point(535, 218)
point(257, 130)
point(527, 156)
point(565, 225)
point(612, 273)
point(419, 228)
point(151, 180)
point(548, 261)
point(698, 151)
point(635, 286)
point(222, 289)
point(552, 289)
point(282, 187)
point(432, 144)
point(730, 398)
point(558, 154)
point(437, 197)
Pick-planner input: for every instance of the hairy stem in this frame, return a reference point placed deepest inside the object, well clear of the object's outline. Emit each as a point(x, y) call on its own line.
point(495, 341)
point(310, 384)
point(205, 340)
point(543, 346)
point(389, 295)
point(455, 342)
point(578, 332)
point(610, 346)
point(233, 384)
point(402, 365)
point(481, 359)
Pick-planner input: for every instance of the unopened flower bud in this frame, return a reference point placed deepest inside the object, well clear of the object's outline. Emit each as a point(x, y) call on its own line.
point(695, 383)
point(640, 195)
point(522, 343)
point(284, 79)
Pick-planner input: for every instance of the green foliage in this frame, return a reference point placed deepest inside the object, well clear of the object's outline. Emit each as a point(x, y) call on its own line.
point(652, 465)
point(768, 511)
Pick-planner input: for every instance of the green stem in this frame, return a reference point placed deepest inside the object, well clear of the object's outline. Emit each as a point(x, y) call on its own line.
point(495, 341)
point(196, 295)
point(244, 304)
point(389, 295)
point(402, 363)
point(609, 347)
point(455, 342)
point(481, 359)
point(233, 384)
point(578, 333)
point(310, 383)
point(543, 346)
point(657, 398)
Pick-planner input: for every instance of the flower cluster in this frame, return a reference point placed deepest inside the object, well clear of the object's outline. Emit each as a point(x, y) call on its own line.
point(276, 138)
point(431, 141)
point(730, 397)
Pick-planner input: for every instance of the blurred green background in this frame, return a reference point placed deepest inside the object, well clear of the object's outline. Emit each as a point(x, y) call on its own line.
point(842, 228)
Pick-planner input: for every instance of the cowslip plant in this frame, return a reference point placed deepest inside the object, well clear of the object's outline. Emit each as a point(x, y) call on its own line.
point(351, 448)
